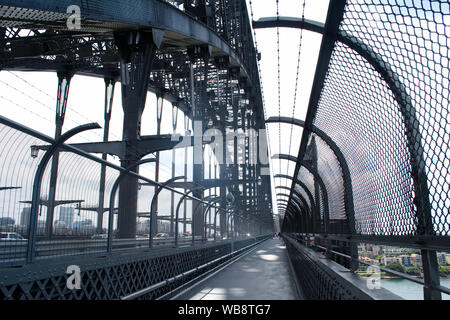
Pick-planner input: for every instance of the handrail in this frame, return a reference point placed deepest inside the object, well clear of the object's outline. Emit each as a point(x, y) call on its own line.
point(396, 273)
point(89, 156)
point(184, 274)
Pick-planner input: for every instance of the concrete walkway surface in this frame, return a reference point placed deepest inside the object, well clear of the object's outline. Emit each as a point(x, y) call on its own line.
point(262, 274)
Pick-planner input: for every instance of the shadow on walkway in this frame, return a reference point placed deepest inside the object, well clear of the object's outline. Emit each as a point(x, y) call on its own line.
point(263, 274)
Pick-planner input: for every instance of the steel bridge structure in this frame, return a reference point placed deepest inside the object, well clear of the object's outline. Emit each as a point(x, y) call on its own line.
point(372, 166)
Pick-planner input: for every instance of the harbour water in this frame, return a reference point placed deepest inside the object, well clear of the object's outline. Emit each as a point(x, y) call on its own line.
point(410, 290)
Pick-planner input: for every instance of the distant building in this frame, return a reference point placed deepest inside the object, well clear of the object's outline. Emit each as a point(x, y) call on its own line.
point(66, 215)
point(392, 250)
point(362, 248)
point(442, 259)
point(41, 224)
point(447, 259)
point(60, 224)
point(25, 216)
point(377, 250)
point(85, 224)
point(405, 260)
point(416, 259)
point(164, 226)
point(7, 222)
point(386, 260)
point(144, 226)
point(367, 260)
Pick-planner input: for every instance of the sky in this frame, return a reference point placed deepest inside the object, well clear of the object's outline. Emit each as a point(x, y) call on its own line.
point(289, 40)
point(30, 97)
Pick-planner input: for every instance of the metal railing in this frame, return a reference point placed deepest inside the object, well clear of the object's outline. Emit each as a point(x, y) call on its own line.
point(381, 95)
point(78, 175)
point(320, 278)
point(324, 245)
point(141, 273)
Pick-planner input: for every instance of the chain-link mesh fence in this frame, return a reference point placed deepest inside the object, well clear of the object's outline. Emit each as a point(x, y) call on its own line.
point(385, 103)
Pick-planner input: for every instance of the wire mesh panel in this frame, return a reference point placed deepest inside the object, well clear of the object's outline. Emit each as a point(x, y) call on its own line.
point(329, 169)
point(363, 108)
point(18, 166)
point(69, 218)
point(301, 191)
point(74, 227)
point(308, 180)
point(384, 102)
point(412, 37)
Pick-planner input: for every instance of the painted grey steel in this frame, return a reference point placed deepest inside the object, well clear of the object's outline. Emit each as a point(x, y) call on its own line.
point(86, 155)
point(322, 187)
point(113, 197)
point(336, 282)
point(305, 188)
point(348, 186)
point(109, 98)
point(117, 16)
point(153, 213)
point(410, 121)
point(187, 273)
point(64, 79)
point(38, 181)
point(176, 215)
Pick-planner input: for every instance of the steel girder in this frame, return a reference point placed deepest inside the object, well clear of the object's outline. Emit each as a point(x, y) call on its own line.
point(211, 67)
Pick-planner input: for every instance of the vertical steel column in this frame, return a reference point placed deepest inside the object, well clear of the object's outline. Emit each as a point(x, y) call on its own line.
point(203, 55)
point(197, 218)
point(210, 153)
point(419, 176)
point(223, 195)
point(235, 167)
point(187, 132)
point(109, 97)
point(245, 185)
point(215, 194)
point(61, 106)
point(137, 50)
point(314, 166)
point(223, 176)
point(159, 111)
point(112, 197)
point(172, 194)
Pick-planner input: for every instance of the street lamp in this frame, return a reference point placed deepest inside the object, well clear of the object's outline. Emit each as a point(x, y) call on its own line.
point(34, 151)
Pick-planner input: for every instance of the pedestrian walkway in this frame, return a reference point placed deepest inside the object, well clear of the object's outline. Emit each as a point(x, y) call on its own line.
point(262, 274)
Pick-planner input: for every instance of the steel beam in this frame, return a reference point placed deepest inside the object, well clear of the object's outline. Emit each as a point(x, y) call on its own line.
point(109, 98)
point(61, 106)
point(137, 50)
